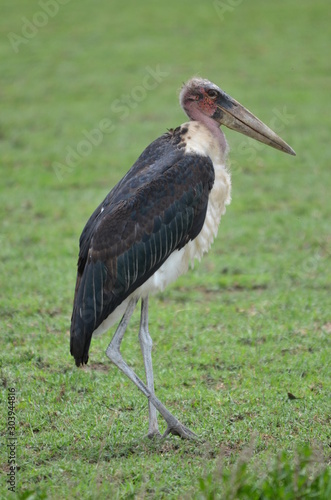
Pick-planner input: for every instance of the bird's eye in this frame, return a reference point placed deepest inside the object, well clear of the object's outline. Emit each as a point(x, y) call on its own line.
point(212, 93)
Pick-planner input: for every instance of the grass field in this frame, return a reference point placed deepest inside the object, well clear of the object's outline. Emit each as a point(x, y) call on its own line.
point(84, 88)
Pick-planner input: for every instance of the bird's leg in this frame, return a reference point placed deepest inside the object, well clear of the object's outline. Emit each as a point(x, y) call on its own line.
point(114, 354)
point(146, 344)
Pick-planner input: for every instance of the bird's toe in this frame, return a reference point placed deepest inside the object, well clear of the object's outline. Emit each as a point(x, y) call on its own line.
point(178, 429)
point(154, 434)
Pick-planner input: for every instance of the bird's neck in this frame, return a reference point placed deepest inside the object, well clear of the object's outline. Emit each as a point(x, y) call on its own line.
point(212, 126)
point(195, 114)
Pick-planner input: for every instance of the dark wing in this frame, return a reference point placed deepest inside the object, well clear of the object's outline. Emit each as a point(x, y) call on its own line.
point(155, 159)
point(126, 242)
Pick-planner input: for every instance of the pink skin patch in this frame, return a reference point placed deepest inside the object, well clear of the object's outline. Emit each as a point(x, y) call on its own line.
point(207, 105)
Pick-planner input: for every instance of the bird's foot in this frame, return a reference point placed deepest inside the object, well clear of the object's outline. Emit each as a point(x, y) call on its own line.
point(155, 434)
point(178, 429)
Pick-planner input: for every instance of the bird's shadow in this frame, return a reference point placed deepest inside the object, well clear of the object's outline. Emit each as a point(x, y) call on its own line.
point(145, 446)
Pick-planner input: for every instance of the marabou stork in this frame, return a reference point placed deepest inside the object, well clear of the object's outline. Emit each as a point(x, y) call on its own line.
point(161, 216)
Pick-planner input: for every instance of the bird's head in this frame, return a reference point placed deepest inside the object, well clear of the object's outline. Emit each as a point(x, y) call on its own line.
point(202, 100)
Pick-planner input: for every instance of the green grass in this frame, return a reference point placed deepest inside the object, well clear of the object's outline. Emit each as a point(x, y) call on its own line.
point(233, 337)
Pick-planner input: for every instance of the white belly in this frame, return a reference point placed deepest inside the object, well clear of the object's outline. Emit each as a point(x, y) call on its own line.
point(180, 260)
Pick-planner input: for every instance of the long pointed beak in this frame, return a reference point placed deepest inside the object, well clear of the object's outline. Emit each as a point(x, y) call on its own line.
point(235, 116)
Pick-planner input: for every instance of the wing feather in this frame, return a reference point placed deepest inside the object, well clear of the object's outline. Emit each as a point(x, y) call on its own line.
point(131, 237)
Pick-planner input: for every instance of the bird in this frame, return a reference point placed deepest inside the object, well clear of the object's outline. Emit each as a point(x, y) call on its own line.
point(157, 220)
